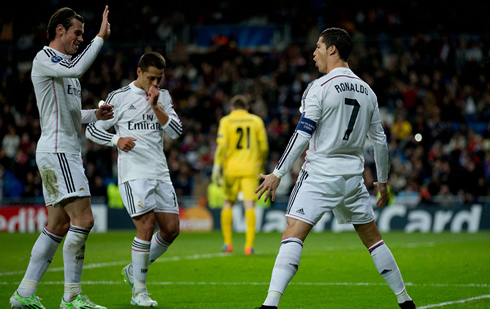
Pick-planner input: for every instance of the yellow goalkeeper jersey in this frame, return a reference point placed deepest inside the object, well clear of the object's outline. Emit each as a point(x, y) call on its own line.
point(242, 144)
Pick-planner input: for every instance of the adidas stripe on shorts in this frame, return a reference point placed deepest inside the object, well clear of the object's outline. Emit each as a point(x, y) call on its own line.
point(143, 195)
point(63, 176)
point(345, 196)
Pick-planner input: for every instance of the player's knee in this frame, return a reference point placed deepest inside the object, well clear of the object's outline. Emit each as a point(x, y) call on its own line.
point(173, 232)
point(87, 222)
point(170, 232)
point(58, 228)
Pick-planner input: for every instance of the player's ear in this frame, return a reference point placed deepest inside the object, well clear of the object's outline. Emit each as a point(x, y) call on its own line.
point(60, 30)
point(332, 49)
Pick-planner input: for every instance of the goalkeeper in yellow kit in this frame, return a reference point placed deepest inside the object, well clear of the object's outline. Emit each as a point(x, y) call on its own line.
point(240, 157)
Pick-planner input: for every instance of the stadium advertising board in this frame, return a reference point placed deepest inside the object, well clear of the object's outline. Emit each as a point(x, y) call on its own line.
point(31, 219)
point(472, 218)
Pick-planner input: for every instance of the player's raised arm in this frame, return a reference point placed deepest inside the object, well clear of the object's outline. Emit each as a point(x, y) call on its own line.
point(105, 27)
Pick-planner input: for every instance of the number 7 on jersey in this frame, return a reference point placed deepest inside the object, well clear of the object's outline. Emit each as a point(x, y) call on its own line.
point(353, 117)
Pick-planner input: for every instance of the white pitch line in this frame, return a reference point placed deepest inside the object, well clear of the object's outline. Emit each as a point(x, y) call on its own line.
point(262, 283)
point(100, 265)
point(455, 302)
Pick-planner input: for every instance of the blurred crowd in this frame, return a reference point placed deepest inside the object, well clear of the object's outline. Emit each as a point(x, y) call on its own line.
point(432, 85)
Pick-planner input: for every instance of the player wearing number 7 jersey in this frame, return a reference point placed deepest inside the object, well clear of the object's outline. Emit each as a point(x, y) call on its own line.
point(339, 111)
point(240, 156)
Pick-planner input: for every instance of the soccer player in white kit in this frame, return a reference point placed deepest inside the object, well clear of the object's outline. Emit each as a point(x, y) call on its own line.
point(339, 110)
point(142, 113)
point(65, 187)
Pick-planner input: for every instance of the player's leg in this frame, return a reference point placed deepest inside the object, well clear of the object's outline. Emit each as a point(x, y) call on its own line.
point(139, 199)
point(287, 260)
point(304, 210)
point(82, 221)
point(250, 222)
point(169, 229)
point(167, 218)
point(41, 256)
point(66, 186)
point(384, 261)
point(231, 193)
point(140, 250)
point(357, 210)
point(248, 186)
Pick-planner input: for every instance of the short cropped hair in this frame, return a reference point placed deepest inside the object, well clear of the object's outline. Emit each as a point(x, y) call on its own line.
point(340, 38)
point(152, 59)
point(239, 102)
point(64, 17)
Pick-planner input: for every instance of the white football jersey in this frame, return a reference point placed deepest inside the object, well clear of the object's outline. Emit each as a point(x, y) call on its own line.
point(58, 95)
point(134, 117)
point(339, 110)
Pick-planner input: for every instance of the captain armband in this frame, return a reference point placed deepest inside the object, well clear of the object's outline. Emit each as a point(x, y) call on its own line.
point(306, 125)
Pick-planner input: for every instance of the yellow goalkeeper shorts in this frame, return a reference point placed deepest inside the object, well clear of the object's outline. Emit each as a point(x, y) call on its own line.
point(246, 185)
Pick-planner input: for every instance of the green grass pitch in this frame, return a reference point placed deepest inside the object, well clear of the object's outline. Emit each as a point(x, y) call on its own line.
point(440, 270)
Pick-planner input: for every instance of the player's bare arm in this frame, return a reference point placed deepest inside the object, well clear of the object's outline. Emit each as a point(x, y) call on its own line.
point(126, 143)
point(384, 194)
point(105, 112)
point(268, 186)
point(105, 27)
point(153, 94)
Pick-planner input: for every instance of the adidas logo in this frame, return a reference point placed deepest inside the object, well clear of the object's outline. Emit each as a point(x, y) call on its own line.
point(300, 211)
point(131, 107)
point(385, 271)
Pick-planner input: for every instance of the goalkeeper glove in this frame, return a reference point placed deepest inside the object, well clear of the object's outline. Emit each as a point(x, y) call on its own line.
point(216, 176)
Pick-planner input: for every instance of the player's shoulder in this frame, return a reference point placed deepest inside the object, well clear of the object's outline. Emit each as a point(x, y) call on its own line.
point(165, 94)
point(117, 95)
point(164, 91)
point(47, 55)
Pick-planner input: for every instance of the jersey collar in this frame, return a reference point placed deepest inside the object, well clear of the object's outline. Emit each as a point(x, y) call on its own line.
point(239, 111)
point(136, 89)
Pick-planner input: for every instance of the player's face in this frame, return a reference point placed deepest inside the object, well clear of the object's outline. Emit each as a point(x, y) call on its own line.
point(320, 56)
point(71, 38)
point(152, 77)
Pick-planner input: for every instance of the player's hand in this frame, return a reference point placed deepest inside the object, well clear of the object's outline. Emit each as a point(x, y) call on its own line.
point(105, 27)
point(105, 112)
point(384, 195)
point(268, 186)
point(216, 176)
point(126, 143)
point(153, 94)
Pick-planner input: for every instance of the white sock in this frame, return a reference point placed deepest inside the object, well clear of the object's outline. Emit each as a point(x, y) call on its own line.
point(41, 256)
point(403, 297)
point(386, 265)
point(73, 257)
point(286, 266)
point(140, 253)
point(158, 246)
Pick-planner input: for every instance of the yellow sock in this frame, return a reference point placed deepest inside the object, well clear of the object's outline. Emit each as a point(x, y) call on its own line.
point(226, 225)
point(250, 233)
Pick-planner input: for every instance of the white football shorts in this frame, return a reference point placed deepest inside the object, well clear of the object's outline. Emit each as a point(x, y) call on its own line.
point(143, 195)
point(345, 196)
point(63, 176)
